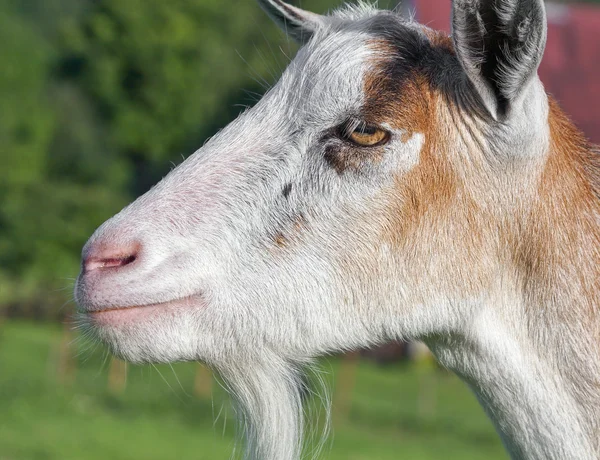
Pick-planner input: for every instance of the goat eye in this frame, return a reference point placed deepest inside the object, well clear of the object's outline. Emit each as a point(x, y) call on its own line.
point(368, 136)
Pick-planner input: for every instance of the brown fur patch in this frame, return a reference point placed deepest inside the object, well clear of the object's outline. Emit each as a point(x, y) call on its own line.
point(411, 106)
point(397, 93)
point(557, 254)
point(430, 219)
point(463, 223)
point(280, 240)
point(562, 235)
point(285, 237)
point(436, 218)
point(403, 103)
point(439, 39)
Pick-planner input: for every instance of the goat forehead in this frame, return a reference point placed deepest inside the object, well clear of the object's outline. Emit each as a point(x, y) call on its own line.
point(326, 77)
point(328, 74)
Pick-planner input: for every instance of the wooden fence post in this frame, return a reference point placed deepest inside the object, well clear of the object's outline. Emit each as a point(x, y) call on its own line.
point(117, 376)
point(203, 381)
point(425, 364)
point(2, 321)
point(65, 364)
point(344, 388)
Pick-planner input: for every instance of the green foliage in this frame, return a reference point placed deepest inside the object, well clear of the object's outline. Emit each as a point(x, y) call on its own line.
point(162, 73)
point(50, 175)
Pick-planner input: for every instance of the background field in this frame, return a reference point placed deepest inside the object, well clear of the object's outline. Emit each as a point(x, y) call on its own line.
point(397, 411)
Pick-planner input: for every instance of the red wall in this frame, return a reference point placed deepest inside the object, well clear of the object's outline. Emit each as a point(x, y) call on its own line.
point(570, 69)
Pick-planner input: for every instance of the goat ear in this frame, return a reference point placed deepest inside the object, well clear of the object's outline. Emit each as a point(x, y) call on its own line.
point(297, 23)
point(500, 44)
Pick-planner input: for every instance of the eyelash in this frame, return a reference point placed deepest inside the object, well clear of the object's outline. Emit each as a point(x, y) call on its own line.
point(349, 126)
point(354, 125)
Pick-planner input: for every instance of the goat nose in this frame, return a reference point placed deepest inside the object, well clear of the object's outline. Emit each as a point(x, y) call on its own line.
point(103, 256)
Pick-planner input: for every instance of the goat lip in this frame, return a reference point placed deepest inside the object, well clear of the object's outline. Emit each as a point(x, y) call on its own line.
point(117, 309)
point(177, 302)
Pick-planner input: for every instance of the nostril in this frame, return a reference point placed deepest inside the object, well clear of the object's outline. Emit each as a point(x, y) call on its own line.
point(109, 262)
point(103, 256)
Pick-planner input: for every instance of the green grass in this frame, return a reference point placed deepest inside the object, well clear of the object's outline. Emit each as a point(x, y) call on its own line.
point(399, 411)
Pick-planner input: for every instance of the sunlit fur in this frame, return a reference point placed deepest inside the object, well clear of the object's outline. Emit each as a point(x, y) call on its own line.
point(474, 229)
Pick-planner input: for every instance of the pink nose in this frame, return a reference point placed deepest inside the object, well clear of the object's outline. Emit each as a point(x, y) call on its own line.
point(106, 256)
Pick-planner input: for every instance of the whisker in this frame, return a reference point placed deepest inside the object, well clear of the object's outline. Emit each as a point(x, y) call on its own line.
point(167, 382)
point(262, 83)
point(178, 381)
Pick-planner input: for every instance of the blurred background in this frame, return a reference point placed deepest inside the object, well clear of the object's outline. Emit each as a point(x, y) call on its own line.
point(98, 100)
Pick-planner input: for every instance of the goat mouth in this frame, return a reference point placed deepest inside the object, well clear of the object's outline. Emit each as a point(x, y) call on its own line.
point(110, 310)
point(119, 315)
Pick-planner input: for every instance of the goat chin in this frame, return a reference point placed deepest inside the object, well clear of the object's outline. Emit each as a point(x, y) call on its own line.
point(268, 400)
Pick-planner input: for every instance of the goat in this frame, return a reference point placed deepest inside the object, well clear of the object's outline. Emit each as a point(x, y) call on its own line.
point(395, 183)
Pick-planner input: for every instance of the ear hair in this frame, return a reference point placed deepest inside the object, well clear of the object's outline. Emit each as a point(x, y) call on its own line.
point(500, 44)
point(297, 23)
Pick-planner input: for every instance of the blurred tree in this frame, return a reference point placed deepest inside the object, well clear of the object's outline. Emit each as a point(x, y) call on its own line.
point(26, 125)
point(50, 195)
point(164, 75)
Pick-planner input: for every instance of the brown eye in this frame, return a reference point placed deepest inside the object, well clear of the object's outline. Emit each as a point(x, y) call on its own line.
point(368, 136)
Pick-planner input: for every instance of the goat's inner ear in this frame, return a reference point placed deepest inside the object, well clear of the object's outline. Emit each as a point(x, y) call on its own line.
point(500, 44)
